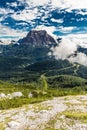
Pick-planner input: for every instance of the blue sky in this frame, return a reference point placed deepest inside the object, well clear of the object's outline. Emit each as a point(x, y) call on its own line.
point(20, 16)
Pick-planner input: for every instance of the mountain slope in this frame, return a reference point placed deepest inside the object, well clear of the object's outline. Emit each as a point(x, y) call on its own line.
point(30, 56)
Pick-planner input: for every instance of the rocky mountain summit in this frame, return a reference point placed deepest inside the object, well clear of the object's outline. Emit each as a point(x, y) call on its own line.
point(39, 38)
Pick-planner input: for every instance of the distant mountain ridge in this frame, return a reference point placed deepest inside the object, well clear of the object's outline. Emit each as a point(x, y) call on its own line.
point(34, 47)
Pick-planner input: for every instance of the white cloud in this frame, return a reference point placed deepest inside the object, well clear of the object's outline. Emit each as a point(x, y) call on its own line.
point(67, 4)
point(26, 15)
point(64, 49)
point(57, 20)
point(5, 11)
point(37, 2)
point(82, 13)
point(9, 34)
point(66, 29)
point(71, 4)
point(79, 39)
point(13, 4)
point(80, 58)
point(68, 47)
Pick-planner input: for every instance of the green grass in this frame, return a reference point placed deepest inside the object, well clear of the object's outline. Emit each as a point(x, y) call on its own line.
point(2, 126)
point(38, 97)
point(82, 116)
point(18, 102)
point(37, 88)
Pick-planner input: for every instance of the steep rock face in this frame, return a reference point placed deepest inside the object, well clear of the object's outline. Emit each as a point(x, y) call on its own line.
point(39, 38)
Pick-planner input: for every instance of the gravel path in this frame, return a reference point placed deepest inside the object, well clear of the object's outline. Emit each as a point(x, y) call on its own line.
point(38, 116)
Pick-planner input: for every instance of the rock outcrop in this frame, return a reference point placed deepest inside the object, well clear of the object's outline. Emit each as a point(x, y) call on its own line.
point(39, 38)
point(10, 96)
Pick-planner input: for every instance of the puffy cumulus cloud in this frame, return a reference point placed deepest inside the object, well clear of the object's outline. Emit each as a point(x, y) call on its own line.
point(57, 20)
point(37, 2)
point(14, 4)
point(82, 12)
point(78, 38)
point(80, 58)
point(71, 4)
point(26, 15)
point(67, 49)
point(67, 4)
point(67, 29)
point(5, 11)
point(31, 8)
point(7, 34)
point(64, 49)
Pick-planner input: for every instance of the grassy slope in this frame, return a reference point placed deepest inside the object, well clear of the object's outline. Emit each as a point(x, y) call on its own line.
point(55, 86)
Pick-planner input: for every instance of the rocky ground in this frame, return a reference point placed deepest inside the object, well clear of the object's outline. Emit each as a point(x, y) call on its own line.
point(61, 113)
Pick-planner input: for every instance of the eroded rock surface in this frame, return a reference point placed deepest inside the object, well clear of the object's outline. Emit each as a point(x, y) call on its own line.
point(39, 116)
